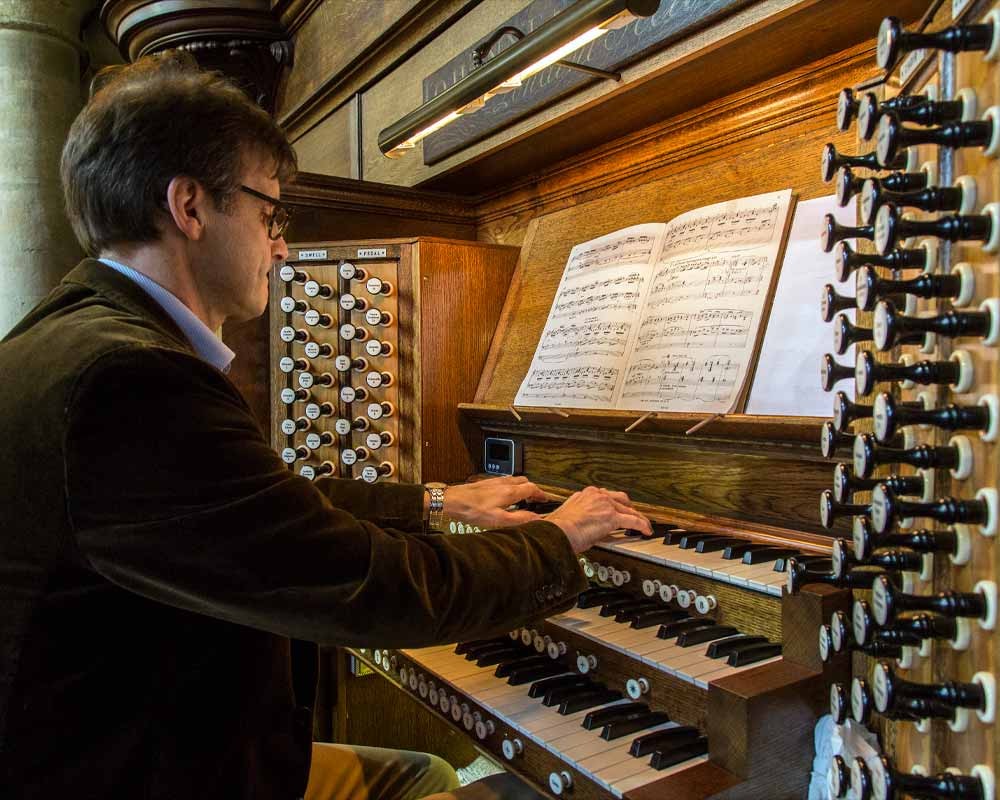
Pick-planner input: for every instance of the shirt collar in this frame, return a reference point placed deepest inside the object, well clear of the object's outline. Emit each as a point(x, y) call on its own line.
point(206, 344)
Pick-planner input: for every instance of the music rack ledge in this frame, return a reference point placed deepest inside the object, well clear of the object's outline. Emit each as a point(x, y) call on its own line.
point(730, 426)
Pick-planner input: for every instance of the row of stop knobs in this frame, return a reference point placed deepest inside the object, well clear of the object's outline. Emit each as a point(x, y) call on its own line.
point(438, 696)
point(651, 587)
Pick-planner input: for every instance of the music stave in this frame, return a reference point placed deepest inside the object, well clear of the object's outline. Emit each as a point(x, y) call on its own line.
point(744, 228)
point(680, 377)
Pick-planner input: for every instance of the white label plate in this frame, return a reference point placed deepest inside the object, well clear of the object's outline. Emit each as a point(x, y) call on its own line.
point(372, 252)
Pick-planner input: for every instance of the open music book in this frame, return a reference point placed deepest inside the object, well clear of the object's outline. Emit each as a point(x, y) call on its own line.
point(663, 316)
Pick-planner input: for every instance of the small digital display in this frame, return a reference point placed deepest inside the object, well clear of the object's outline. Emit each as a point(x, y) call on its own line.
point(498, 451)
point(502, 457)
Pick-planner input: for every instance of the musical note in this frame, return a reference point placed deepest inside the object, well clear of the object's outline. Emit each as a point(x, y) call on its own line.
point(629, 249)
point(732, 229)
point(712, 327)
point(710, 278)
point(678, 377)
point(579, 383)
point(595, 338)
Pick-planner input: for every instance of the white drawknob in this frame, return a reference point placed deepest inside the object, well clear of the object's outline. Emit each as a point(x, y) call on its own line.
point(685, 597)
point(602, 572)
point(648, 588)
point(636, 687)
point(585, 663)
point(512, 748)
point(559, 782)
point(704, 603)
point(556, 649)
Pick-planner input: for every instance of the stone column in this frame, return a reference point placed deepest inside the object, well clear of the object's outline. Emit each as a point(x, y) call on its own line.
point(40, 94)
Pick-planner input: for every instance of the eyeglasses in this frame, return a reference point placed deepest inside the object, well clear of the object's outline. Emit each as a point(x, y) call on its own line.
point(277, 221)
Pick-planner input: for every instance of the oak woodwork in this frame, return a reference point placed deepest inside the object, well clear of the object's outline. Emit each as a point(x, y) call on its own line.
point(760, 726)
point(726, 479)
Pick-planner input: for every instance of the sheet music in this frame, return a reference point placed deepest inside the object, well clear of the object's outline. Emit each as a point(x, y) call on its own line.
point(581, 353)
point(662, 316)
point(695, 337)
point(787, 379)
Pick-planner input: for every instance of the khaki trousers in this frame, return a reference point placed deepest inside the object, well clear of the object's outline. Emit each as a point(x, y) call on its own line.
point(350, 772)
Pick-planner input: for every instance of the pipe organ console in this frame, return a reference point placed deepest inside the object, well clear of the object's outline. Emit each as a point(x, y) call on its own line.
point(698, 662)
point(921, 562)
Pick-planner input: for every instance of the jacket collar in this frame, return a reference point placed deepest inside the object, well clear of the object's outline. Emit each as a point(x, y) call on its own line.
point(103, 280)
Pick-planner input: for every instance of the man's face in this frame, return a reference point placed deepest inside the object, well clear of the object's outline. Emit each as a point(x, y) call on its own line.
point(239, 252)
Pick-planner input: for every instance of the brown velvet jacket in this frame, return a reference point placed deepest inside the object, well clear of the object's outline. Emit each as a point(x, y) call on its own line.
point(156, 555)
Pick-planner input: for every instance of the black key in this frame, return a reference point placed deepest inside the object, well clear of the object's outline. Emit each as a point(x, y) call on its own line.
point(506, 667)
point(602, 716)
point(764, 555)
point(612, 607)
point(663, 528)
point(633, 723)
point(665, 739)
point(647, 619)
point(629, 613)
point(539, 688)
point(735, 551)
point(581, 702)
point(667, 758)
point(723, 647)
point(589, 598)
point(690, 540)
point(524, 675)
point(711, 545)
point(705, 634)
point(672, 629)
point(674, 537)
point(472, 653)
point(751, 655)
point(492, 657)
point(816, 563)
point(555, 697)
point(463, 647)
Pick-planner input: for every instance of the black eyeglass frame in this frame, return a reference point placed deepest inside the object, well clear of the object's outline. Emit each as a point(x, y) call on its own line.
point(278, 219)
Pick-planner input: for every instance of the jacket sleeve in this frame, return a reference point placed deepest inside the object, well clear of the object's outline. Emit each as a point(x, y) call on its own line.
point(390, 505)
point(173, 493)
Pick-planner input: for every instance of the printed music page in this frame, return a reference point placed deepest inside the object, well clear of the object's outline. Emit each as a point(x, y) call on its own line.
point(708, 297)
point(581, 354)
point(662, 316)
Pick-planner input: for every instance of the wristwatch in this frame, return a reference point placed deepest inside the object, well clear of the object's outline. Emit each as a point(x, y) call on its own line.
point(435, 515)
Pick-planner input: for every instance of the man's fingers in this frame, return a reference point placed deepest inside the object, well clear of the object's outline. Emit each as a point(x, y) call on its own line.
point(634, 522)
point(525, 491)
point(620, 497)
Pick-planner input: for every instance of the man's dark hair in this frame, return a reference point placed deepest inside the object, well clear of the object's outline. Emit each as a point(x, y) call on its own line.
point(145, 124)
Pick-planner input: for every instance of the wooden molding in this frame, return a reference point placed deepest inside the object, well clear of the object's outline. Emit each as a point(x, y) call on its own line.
point(345, 194)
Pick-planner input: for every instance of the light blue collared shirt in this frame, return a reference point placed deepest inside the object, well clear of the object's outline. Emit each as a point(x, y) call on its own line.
point(206, 344)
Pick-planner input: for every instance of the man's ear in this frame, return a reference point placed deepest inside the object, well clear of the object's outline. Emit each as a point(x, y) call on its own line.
point(186, 204)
